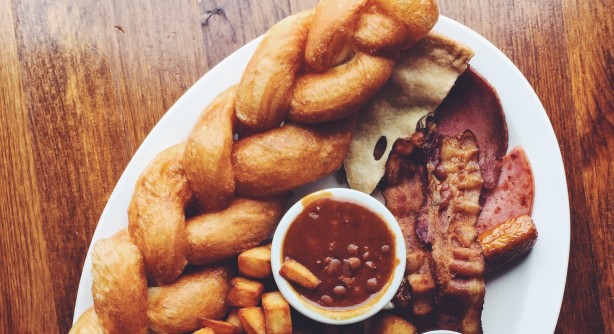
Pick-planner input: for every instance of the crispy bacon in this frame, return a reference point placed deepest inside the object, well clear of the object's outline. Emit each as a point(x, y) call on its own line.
point(454, 186)
point(404, 192)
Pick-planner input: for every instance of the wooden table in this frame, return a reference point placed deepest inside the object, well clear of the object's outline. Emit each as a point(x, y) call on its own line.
point(83, 82)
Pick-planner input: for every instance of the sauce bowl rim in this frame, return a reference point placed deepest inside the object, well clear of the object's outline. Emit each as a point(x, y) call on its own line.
point(363, 311)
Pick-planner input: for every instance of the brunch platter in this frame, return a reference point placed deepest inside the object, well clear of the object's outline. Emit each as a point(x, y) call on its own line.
point(523, 296)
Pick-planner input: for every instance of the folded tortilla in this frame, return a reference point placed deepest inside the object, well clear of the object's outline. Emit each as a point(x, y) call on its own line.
point(421, 79)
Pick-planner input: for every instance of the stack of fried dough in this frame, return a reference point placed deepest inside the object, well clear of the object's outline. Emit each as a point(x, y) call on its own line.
point(195, 257)
point(311, 72)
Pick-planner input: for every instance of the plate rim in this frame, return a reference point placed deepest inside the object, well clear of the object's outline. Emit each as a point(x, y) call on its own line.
point(143, 154)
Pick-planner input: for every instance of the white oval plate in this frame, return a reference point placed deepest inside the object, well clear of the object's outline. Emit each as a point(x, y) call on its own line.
point(524, 298)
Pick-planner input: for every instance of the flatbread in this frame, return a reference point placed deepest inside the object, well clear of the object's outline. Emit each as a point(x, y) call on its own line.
point(421, 79)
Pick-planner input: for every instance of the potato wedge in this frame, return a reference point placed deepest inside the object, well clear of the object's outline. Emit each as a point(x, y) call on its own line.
point(219, 326)
point(233, 318)
point(276, 313)
point(387, 323)
point(507, 241)
point(205, 331)
point(119, 287)
point(179, 306)
point(299, 274)
point(244, 224)
point(252, 320)
point(244, 292)
point(256, 262)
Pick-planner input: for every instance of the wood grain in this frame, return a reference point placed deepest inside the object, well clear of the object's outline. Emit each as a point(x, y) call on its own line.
point(82, 83)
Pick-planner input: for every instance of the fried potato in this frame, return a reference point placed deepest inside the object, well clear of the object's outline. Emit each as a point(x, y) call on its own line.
point(387, 323)
point(233, 318)
point(119, 286)
point(207, 153)
point(252, 320)
point(220, 327)
point(290, 156)
point(267, 82)
point(276, 313)
point(205, 331)
point(179, 306)
point(256, 262)
point(299, 274)
point(244, 292)
point(87, 324)
point(156, 215)
point(507, 241)
point(242, 225)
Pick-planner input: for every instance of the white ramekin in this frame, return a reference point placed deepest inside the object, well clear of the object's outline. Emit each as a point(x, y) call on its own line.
point(363, 311)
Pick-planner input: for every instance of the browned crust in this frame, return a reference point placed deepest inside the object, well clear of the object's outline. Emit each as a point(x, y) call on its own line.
point(178, 307)
point(455, 183)
point(156, 215)
point(290, 156)
point(207, 153)
point(119, 287)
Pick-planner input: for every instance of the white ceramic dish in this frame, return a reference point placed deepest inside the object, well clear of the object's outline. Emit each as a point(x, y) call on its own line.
point(307, 308)
point(523, 298)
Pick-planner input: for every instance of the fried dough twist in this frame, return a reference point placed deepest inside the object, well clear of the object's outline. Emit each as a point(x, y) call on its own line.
point(119, 287)
point(318, 66)
point(207, 152)
point(156, 217)
point(325, 64)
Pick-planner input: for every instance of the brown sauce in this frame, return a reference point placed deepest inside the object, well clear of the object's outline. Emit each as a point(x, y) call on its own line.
point(347, 246)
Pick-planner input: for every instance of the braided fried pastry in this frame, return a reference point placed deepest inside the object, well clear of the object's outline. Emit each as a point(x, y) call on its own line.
point(317, 67)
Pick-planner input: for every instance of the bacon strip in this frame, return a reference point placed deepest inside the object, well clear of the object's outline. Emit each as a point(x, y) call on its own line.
point(404, 194)
point(455, 183)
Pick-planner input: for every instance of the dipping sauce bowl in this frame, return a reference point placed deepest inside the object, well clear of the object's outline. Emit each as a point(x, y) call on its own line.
point(351, 243)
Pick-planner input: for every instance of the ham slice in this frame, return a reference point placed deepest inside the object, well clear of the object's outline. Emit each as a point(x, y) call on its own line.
point(474, 105)
point(513, 195)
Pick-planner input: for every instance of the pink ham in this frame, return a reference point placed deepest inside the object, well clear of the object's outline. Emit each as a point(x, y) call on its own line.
point(474, 105)
point(513, 195)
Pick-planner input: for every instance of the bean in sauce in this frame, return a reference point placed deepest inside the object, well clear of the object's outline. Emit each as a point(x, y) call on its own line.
point(347, 246)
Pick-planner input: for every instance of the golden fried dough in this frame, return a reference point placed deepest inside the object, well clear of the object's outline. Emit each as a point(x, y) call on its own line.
point(395, 25)
point(290, 156)
point(239, 227)
point(179, 306)
point(156, 215)
point(340, 91)
point(87, 324)
point(328, 42)
point(266, 84)
point(119, 287)
point(207, 153)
